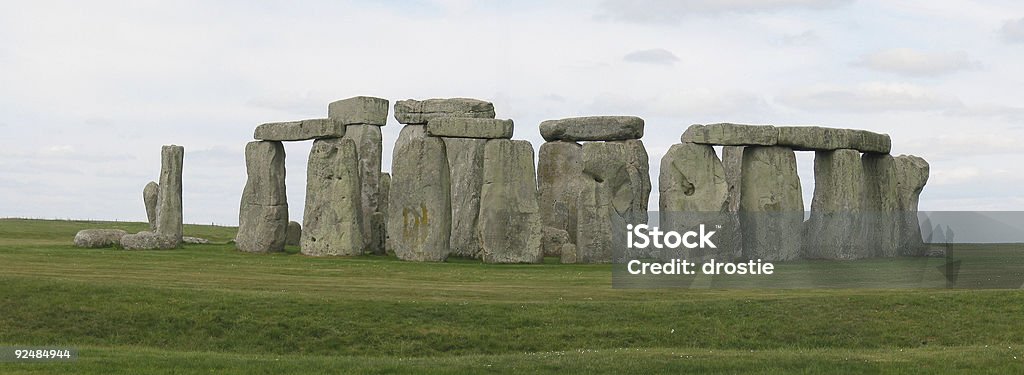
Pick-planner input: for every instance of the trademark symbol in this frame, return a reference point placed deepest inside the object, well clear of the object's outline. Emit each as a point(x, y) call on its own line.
point(718, 227)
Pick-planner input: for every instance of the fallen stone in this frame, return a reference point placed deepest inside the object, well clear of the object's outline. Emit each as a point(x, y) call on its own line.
point(293, 234)
point(194, 240)
point(419, 208)
point(814, 138)
point(771, 204)
point(835, 228)
point(98, 238)
point(459, 127)
point(422, 111)
point(168, 203)
point(149, 197)
point(466, 163)
point(593, 128)
point(369, 148)
point(149, 241)
point(731, 135)
point(552, 241)
point(559, 174)
point(332, 220)
point(364, 110)
point(300, 130)
point(263, 211)
point(510, 228)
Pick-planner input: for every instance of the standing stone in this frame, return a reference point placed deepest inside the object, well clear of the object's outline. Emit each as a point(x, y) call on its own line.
point(332, 221)
point(771, 204)
point(168, 202)
point(293, 234)
point(368, 143)
point(835, 228)
point(883, 222)
point(732, 161)
point(419, 207)
point(510, 228)
point(263, 212)
point(382, 208)
point(422, 111)
point(693, 192)
point(466, 163)
point(560, 174)
point(638, 166)
point(913, 174)
point(149, 196)
point(604, 202)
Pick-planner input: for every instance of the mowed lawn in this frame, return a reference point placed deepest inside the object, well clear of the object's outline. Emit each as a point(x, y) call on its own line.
point(209, 308)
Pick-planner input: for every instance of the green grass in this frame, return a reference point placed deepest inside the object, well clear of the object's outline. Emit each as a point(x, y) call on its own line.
point(209, 308)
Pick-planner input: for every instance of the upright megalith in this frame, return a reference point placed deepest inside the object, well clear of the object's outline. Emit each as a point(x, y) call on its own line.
point(771, 204)
point(604, 203)
point(382, 207)
point(638, 166)
point(883, 218)
point(420, 112)
point(149, 197)
point(332, 220)
point(913, 175)
point(593, 128)
point(835, 229)
point(168, 232)
point(510, 227)
point(263, 212)
point(293, 234)
point(363, 117)
point(559, 175)
point(419, 207)
point(466, 163)
point(694, 191)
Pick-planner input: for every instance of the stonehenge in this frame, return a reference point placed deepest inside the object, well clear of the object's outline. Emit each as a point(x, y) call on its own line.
point(594, 188)
point(510, 228)
point(332, 223)
point(864, 203)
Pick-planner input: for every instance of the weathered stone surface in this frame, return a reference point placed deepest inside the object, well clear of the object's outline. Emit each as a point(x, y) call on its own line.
point(382, 208)
point(419, 207)
point(732, 161)
point(422, 111)
point(835, 228)
point(731, 135)
point(460, 127)
point(771, 204)
point(359, 110)
point(97, 238)
point(168, 202)
point(466, 163)
point(593, 128)
point(378, 243)
point(149, 241)
point(332, 221)
point(369, 147)
point(300, 130)
point(913, 175)
point(693, 192)
point(194, 240)
point(293, 234)
point(263, 211)
point(149, 197)
point(559, 174)
point(510, 228)
point(815, 138)
point(883, 217)
point(552, 241)
point(639, 169)
point(596, 218)
point(568, 253)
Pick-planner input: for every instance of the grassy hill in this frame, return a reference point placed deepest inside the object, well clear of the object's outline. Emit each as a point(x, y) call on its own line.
point(209, 308)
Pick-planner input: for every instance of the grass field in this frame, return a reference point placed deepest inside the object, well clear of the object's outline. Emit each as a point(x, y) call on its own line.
point(209, 308)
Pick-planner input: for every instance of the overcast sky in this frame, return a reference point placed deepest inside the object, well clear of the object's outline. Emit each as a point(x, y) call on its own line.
point(90, 90)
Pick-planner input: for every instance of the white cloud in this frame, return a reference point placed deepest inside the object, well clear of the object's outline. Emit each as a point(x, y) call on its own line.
point(672, 11)
point(657, 56)
point(869, 97)
point(911, 62)
point(1013, 31)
